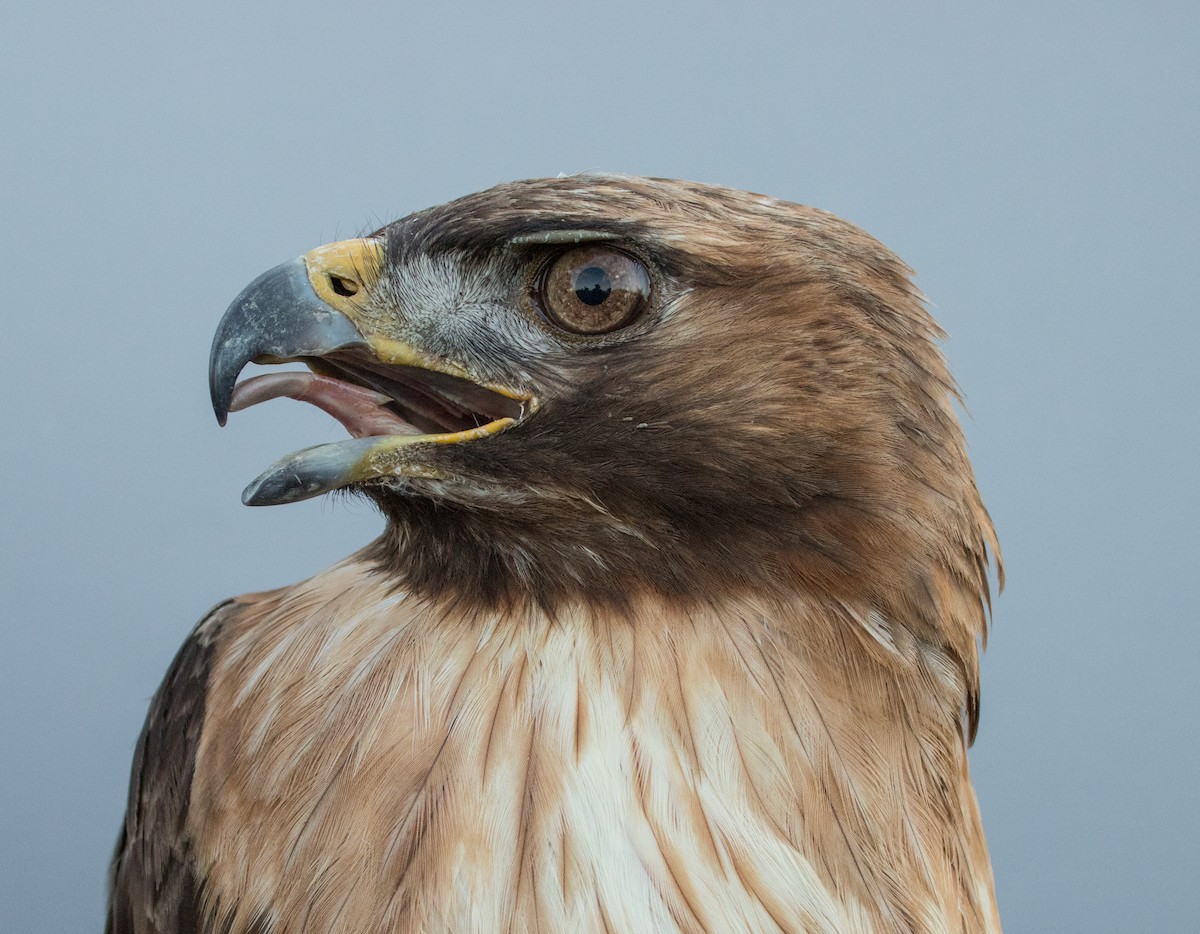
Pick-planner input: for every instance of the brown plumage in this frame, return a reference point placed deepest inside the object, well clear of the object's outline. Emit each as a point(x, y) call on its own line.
point(684, 639)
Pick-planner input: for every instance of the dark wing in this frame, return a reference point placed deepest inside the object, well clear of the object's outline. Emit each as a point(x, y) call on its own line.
point(153, 887)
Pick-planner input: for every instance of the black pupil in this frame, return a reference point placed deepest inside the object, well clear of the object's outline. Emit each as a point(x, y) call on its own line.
point(592, 285)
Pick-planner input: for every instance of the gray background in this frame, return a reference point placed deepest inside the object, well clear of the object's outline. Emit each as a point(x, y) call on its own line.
point(1036, 163)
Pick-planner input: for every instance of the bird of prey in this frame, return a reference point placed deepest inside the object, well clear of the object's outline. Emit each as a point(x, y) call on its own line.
point(675, 621)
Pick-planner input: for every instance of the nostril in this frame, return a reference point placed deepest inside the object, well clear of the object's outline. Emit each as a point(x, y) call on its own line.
point(343, 286)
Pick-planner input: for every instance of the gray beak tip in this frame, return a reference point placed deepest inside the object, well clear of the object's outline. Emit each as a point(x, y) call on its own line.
point(277, 317)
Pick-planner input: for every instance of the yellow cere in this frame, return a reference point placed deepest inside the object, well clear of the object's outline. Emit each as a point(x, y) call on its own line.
point(347, 266)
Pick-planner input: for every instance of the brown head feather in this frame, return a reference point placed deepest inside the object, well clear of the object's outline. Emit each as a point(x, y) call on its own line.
point(781, 422)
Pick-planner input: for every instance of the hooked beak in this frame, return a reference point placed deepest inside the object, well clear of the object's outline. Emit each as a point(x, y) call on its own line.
point(276, 318)
point(392, 397)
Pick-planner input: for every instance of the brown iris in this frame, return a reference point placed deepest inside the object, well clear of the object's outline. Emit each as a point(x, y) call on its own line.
point(593, 289)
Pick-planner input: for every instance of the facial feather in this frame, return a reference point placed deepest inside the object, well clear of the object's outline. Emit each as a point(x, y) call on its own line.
point(780, 420)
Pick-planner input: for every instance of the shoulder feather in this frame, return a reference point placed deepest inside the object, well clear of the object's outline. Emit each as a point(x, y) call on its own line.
point(153, 887)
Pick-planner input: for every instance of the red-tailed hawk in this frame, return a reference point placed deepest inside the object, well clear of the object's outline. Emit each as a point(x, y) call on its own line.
point(674, 625)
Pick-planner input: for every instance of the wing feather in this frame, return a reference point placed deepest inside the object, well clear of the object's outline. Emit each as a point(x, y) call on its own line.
point(153, 887)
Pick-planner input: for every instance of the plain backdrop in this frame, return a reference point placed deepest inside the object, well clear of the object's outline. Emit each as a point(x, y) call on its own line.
point(1035, 162)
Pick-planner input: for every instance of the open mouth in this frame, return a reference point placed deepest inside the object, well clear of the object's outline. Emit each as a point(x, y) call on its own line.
point(372, 399)
point(396, 400)
point(388, 409)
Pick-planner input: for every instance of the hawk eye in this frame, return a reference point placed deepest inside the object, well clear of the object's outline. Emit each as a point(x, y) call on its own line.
point(593, 289)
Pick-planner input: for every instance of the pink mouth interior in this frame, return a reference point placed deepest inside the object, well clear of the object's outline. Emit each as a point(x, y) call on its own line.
point(362, 411)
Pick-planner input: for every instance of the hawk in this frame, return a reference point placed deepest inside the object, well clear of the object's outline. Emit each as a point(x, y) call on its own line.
point(675, 621)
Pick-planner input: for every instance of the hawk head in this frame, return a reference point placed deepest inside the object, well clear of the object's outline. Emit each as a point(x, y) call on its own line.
point(590, 387)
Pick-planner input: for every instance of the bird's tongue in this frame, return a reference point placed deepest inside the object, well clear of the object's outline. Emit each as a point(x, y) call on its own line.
point(362, 411)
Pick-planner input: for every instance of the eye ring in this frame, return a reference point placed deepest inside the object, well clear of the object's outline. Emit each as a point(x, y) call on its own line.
point(592, 289)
